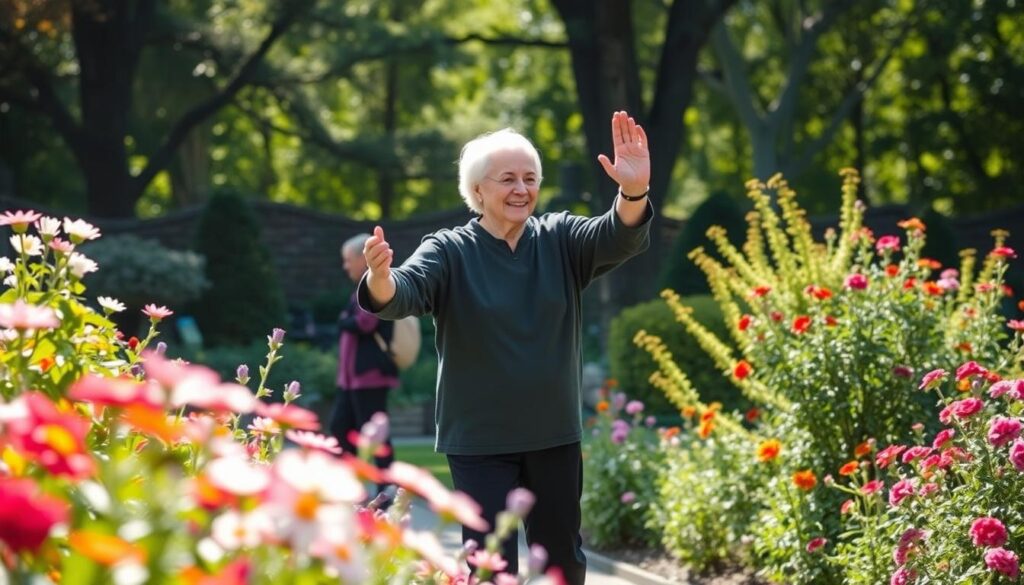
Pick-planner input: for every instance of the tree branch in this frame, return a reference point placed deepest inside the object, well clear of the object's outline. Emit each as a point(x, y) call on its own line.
point(162, 156)
point(737, 84)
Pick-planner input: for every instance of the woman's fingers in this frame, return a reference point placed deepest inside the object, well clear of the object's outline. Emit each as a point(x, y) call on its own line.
point(377, 251)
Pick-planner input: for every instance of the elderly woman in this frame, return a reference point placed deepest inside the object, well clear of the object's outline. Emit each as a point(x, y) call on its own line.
point(504, 291)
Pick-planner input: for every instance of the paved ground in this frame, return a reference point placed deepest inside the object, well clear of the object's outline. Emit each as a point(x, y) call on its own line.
point(424, 519)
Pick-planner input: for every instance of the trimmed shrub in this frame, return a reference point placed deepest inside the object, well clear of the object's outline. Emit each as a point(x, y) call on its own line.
point(631, 366)
point(245, 300)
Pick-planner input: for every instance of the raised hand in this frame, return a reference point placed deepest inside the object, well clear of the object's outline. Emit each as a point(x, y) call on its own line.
point(632, 166)
point(379, 255)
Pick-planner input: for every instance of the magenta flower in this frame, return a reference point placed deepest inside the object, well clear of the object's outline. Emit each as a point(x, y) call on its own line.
point(907, 545)
point(967, 407)
point(856, 281)
point(887, 456)
point(900, 491)
point(1002, 430)
point(872, 487)
point(519, 502)
point(310, 440)
point(1002, 561)
point(943, 437)
point(26, 515)
point(22, 316)
point(970, 369)
point(816, 543)
point(999, 388)
point(932, 379)
point(928, 489)
point(988, 531)
point(627, 498)
point(1017, 454)
point(887, 243)
point(483, 559)
point(1003, 252)
point(903, 576)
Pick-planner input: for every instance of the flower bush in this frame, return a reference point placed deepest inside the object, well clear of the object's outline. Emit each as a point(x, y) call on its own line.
point(618, 461)
point(830, 339)
point(119, 465)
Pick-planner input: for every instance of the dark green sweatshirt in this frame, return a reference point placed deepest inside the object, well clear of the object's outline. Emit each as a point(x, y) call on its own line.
point(508, 325)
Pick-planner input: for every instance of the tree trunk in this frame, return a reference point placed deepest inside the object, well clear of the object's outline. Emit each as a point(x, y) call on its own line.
point(107, 37)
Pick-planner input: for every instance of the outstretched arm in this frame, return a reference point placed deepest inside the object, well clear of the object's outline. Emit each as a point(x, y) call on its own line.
point(631, 168)
point(379, 256)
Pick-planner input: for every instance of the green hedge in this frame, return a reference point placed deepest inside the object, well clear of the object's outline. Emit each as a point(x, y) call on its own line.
point(631, 366)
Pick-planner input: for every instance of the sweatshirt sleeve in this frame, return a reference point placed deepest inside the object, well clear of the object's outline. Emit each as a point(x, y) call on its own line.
point(419, 283)
point(599, 244)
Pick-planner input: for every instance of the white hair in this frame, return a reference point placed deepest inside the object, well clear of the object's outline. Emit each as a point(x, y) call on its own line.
point(476, 156)
point(356, 242)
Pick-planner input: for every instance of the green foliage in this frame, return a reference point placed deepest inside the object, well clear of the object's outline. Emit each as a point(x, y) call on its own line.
point(679, 272)
point(314, 369)
point(942, 243)
point(245, 300)
point(137, 272)
point(707, 493)
point(418, 381)
point(631, 366)
point(619, 461)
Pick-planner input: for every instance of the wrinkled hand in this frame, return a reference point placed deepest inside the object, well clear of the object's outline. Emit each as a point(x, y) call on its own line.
point(632, 166)
point(379, 255)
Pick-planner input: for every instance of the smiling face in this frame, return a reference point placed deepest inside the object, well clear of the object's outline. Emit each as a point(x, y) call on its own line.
point(508, 190)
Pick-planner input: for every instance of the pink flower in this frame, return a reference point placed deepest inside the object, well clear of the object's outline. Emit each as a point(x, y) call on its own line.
point(1003, 252)
point(816, 543)
point(946, 416)
point(1002, 561)
point(967, 407)
point(928, 489)
point(872, 487)
point(846, 507)
point(916, 452)
point(856, 281)
point(887, 243)
point(487, 560)
point(1002, 430)
point(156, 313)
point(117, 392)
point(26, 516)
point(628, 498)
point(634, 407)
point(887, 456)
point(289, 415)
point(19, 220)
point(22, 315)
point(903, 576)
point(900, 491)
point(988, 531)
point(1016, 324)
point(80, 230)
point(932, 379)
point(1017, 454)
point(970, 369)
point(310, 440)
point(999, 388)
point(53, 438)
point(907, 545)
point(943, 437)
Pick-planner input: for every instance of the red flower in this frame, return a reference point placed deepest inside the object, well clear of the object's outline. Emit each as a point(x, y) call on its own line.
point(800, 324)
point(909, 283)
point(133, 342)
point(1003, 252)
point(26, 516)
point(805, 480)
point(752, 414)
point(830, 321)
point(932, 288)
point(761, 291)
point(816, 543)
point(52, 438)
point(849, 468)
point(742, 369)
point(872, 487)
point(744, 322)
point(892, 270)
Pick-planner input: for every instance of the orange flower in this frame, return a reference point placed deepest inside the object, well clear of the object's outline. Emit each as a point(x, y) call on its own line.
point(965, 347)
point(742, 369)
point(612, 383)
point(705, 428)
point(932, 288)
point(602, 406)
point(106, 549)
point(689, 411)
point(849, 468)
point(670, 432)
point(964, 385)
point(929, 263)
point(863, 449)
point(912, 224)
point(805, 480)
point(707, 416)
point(1020, 305)
point(909, 283)
point(768, 450)
point(892, 270)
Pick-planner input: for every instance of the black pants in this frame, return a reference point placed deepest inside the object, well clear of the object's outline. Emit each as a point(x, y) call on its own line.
point(555, 476)
point(353, 409)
